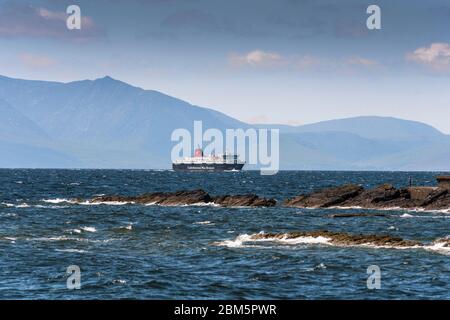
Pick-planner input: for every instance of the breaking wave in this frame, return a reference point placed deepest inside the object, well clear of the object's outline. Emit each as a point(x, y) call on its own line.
point(204, 223)
point(71, 250)
point(85, 203)
point(387, 209)
point(441, 245)
point(243, 239)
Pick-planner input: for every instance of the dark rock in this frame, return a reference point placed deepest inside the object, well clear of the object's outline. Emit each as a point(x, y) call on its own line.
point(385, 192)
point(435, 195)
point(382, 197)
point(325, 198)
point(189, 198)
point(161, 198)
point(250, 200)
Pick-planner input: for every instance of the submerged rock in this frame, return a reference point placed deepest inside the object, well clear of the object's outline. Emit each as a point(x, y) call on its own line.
point(341, 238)
point(352, 215)
point(188, 198)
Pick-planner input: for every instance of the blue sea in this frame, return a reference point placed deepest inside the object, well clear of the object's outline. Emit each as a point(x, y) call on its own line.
point(199, 252)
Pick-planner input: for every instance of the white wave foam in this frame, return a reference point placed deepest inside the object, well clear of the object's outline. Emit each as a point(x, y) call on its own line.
point(89, 229)
point(11, 239)
point(86, 203)
point(49, 207)
point(241, 240)
point(59, 200)
point(9, 214)
point(150, 204)
point(302, 240)
point(405, 215)
point(71, 250)
point(52, 239)
point(119, 281)
point(387, 209)
point(236, 243)
point(199, 204)
point(11, 205)
point(439, 247)
point(128, 227)
point(204, 222)
point(106, 203)
point(65, 238)
point(80, 230)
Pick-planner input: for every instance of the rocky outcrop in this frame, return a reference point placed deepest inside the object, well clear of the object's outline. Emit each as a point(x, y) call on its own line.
point(249, 200)
point(161, 198)
point(381, 197)
point(188, 198)
point(353, 215)
point(325, 198)
point(340, 238)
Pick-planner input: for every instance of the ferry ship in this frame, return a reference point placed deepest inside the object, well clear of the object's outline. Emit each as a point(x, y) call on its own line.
point(212, 163)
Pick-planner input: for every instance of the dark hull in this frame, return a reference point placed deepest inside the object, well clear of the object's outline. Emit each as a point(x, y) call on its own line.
point(203, 167)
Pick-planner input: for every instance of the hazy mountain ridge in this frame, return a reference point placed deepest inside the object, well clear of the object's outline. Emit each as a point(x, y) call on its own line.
point(106, 123)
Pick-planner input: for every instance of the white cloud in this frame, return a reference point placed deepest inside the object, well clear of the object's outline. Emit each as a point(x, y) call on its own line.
point(20, 20)
point(51, 15)
point(436, 56)
point(256, 58)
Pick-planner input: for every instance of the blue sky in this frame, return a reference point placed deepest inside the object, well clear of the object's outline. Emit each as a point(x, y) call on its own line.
point(278, 61)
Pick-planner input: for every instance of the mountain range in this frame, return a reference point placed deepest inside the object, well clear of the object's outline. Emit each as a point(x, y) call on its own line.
point(106, 123)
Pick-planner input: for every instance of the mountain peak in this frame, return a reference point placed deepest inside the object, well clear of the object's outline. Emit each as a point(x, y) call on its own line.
point(107, 79)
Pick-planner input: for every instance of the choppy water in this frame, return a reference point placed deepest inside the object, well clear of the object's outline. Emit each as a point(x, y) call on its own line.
point(135, 251)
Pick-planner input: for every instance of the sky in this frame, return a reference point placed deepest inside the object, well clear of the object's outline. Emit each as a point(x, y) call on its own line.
point(261, 61)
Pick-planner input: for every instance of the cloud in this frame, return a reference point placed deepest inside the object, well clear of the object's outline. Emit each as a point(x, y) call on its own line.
point(359, 61)
point(256, 58)
point(20, 20)
point(36, 61)
point(436, 56)
point(265, 59)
